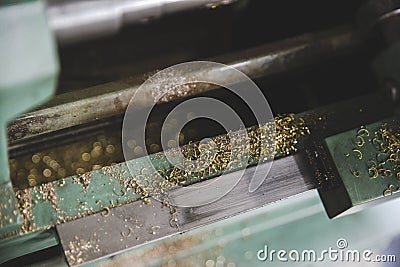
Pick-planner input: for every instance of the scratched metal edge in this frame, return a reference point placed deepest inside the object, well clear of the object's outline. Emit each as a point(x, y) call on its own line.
point(288, 177)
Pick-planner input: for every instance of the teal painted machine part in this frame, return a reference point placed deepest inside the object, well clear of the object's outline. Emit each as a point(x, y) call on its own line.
point(354, 171)
point(28, 75)
point(27, 244)
point(28, 65)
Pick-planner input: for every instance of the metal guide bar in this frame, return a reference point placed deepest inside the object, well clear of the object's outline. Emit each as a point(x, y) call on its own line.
point(124, 227)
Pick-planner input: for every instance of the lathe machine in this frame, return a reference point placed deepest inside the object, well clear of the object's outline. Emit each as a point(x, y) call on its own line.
point(199, 133)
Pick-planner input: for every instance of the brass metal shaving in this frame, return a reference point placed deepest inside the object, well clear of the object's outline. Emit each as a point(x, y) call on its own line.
point(383, 160)
point(161, 86)
point(279, 138)
point(25, 206)
point(387, 160)
point(105, 150)
point(83, 179)
point(48, 193)
point(288, 131)
point(230, 154)
point(78, 247)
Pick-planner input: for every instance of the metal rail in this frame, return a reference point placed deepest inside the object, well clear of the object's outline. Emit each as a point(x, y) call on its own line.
point(103, 101)
point(151, 222)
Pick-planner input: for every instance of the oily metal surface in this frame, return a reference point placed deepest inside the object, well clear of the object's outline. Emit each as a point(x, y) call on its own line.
point(119, 228)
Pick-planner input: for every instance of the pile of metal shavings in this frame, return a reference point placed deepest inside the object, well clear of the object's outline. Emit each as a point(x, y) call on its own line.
point(25, 205)
point(169, 86)
point(84, 180)
point(264, 143)
point(61, 201)
point(288, 131)
point(387, 161)
point(204, 161)
point(47, 193)
point(384, 162)
point(156, 177)
point(77, 248)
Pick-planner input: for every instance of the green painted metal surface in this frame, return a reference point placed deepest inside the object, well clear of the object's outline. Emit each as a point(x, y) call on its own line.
point(28, 75)
point(28, 66)
point(10, 219)
point(27, 244)
point(361, 185)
